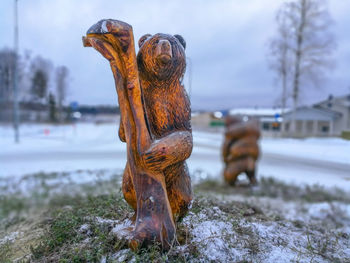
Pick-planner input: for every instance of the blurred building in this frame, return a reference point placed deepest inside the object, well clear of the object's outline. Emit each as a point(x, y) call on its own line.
point(330, 117)
point(311, 121)
point(40, 112)
point(270, 119)
point(98, 114)
point(206, 120)
point(28, 112)
point(340, 105)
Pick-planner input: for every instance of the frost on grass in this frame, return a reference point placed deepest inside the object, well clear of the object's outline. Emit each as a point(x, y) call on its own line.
point(238, 234)
point(9, 238)
point(85, 223)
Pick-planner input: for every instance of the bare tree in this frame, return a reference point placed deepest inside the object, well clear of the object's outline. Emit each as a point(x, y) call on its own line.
point(304, 44)
point(40, 84)
point(7, 67)
point(40, 70)
point(52, 108)
point(280, 55)
point(62, 74)
point(7, 64)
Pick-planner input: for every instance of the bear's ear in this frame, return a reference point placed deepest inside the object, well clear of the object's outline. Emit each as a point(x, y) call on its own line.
point(143, 39)
point(181, 40)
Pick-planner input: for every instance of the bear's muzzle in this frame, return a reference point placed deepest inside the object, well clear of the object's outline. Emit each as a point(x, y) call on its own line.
point(164, 51)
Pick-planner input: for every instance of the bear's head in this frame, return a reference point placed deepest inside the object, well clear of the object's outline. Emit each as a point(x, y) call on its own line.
point(161, 57)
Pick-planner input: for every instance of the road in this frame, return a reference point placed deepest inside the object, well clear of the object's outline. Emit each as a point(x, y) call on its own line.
point(310, 171)
point(89, 147)
point(205, 162)
point(285, 167)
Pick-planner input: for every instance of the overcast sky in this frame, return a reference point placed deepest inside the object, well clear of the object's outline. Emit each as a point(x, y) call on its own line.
point(226, 42)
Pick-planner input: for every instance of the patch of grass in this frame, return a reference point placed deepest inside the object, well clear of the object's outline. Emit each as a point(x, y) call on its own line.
point(274, 188)
point(321, 245)
point(73, 233)
point(270, 187)
point(12, 210)
point(174, 255)
point(43, 190)
point(204, 203)
point(11, 204)
point(64, 239)
point(5, 252)
point(76, 220)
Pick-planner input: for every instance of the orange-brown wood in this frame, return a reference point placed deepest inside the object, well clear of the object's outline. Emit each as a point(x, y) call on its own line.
point(240, 149)
point(155, 124)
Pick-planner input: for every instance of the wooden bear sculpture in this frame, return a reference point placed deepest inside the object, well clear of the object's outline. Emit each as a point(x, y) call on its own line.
point(155, 124)
point(240, 149)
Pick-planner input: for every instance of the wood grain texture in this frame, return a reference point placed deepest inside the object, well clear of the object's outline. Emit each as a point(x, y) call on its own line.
point(155, 124)
point(240, 149)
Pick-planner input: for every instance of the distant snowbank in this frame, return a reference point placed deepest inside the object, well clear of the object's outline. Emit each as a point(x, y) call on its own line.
point(88, 146)
point(104, 137)
point(322, 149)
point(47, 137)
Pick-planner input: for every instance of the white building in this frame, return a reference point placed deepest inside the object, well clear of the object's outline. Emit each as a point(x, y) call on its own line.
point(311, 121)
point(339, 104)
point(330, 117)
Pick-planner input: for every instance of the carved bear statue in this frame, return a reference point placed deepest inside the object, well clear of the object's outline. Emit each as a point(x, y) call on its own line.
point(240, 150)
point(161, 62)
point(155, 124)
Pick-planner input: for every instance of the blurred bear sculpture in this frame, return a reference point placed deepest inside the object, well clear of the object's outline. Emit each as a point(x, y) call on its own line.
point(155, 124)
point(240, 150)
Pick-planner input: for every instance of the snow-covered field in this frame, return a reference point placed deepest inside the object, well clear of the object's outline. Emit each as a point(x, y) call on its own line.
point(274, 222)
point(335, 150)
point(51, 148)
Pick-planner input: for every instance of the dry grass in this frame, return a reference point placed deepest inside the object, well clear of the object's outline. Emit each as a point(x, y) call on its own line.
point(225, 224)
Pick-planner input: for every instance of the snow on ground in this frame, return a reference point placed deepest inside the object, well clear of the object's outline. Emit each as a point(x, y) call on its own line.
point(41, 138)
point(224, 224)
point(218, 238)
point(9, 238)
point(335, 150)
point(324, 161)
point(87, 146)
point(321, 149)
point(51, 148)
point(92, 154)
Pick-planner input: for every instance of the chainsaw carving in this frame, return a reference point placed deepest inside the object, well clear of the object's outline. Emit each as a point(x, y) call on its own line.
point(155, 124)
point(240, 150)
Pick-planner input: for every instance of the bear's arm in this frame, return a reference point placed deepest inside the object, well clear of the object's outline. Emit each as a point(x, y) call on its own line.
point(171, 149)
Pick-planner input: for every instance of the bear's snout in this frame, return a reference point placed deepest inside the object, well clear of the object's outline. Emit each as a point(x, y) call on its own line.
point(164, 51)
point(165, 45)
